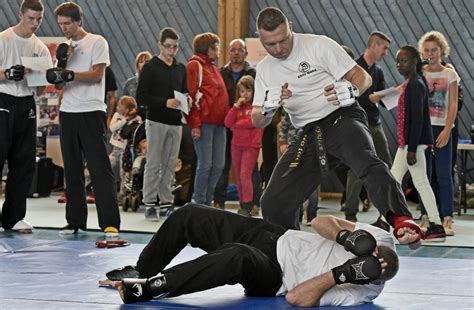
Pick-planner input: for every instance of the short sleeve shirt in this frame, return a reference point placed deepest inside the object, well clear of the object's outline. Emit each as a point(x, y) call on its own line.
point(304, 255)
point(314, 62)
point(80, 96)
point(12, 48)
point(438, 96)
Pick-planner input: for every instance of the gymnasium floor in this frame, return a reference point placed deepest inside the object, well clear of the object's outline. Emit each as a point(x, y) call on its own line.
point(45, 271)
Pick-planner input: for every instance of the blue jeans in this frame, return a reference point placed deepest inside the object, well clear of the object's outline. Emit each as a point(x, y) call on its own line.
point(210, 152)
point(442, 182)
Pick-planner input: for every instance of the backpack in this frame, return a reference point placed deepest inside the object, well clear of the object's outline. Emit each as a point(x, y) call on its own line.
point(198, 93)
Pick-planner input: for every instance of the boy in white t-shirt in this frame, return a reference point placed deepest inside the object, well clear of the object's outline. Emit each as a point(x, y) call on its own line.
point(83, 123)
point(266, 259)
point(18, 112)
point(317, 84)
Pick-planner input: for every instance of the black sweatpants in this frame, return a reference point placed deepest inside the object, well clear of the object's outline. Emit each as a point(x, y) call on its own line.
point(83, 135)
point(18, 146)
point(347, 140)
point(240, 250)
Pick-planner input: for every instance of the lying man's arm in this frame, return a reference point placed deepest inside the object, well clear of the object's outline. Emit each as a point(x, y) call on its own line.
point(308, 293)
point(330, 226)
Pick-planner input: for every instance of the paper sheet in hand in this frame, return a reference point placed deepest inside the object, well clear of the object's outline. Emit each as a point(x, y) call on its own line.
point(38, 65)
point(390, 97)
point(183, 99)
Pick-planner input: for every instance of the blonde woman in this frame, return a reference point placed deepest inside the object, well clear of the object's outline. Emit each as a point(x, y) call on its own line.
point(443, 95)
point(130, 87)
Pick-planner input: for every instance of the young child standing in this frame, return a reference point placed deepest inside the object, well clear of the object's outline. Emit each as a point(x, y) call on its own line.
point(246, 142)
point(415, 135)
point(126, 111)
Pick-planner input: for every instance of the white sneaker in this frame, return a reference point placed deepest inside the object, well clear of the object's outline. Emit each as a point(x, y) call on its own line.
point(151, 214)
point(448, 225)
point(425, 222)
point(23, 227)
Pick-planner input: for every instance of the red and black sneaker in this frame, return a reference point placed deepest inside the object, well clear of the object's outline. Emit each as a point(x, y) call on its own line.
point(435, 233)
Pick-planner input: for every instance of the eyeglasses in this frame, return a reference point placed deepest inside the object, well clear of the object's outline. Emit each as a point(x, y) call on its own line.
point(170, 47)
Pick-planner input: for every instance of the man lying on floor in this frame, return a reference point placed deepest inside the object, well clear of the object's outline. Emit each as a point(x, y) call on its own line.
point(344, 263)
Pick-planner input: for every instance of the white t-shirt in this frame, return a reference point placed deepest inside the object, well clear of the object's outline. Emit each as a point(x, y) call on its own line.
point(80, 96)
point(438, 98)
point(304, 255)
point(116, 124)
point(12, 48)
point(315, 62)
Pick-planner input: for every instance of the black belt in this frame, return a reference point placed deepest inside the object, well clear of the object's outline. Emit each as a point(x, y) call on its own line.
point(311, 131)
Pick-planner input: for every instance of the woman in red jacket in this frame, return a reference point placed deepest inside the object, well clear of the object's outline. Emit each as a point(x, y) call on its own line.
point(206, 117)
point(246, 142)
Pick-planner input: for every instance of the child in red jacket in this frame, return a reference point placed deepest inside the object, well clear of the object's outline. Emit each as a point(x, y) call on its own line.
point(246, 142)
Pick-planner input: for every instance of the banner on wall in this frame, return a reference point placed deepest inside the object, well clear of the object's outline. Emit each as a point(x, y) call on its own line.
point(255, 50)
point(48, 112)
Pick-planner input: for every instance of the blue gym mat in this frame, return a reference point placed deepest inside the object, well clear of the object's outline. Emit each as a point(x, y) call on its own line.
point(63, 274)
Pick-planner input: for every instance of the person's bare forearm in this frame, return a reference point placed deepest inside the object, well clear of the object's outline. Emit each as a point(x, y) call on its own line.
point(453, 105)
point(95, 75)
point(309, 293)
point(359, 77)
point(329, 226)
point(258, 119)
point(88, 76)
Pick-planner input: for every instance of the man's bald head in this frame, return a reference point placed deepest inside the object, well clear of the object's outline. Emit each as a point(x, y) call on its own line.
point(237, 43)
point(237, 52)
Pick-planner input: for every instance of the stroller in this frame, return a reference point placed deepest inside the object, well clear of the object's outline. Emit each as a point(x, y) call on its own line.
point(133, 165)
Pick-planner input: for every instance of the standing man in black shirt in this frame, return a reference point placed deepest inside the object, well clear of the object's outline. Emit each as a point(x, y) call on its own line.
point(110, 94)
point(377, 47)
point(160, 77)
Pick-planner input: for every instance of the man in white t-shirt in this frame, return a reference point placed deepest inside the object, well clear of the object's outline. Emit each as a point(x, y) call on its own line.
point(266, 259)
point(83, 123)
point(317, 83)
point(18, 112)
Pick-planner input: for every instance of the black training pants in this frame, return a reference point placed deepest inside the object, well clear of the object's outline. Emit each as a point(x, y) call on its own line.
point(83, 135)
point(240, 250)
point(348, 140)
point(18, 146)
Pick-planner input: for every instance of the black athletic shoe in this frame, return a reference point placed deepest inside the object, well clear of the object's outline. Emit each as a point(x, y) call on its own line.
point(122, 273)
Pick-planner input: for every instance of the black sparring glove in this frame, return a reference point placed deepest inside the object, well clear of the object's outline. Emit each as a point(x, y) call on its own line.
point(59, 75)
point(61, 55)
point(359, 270)
point(359, 242)
point(137, 290)
point(15, 73)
